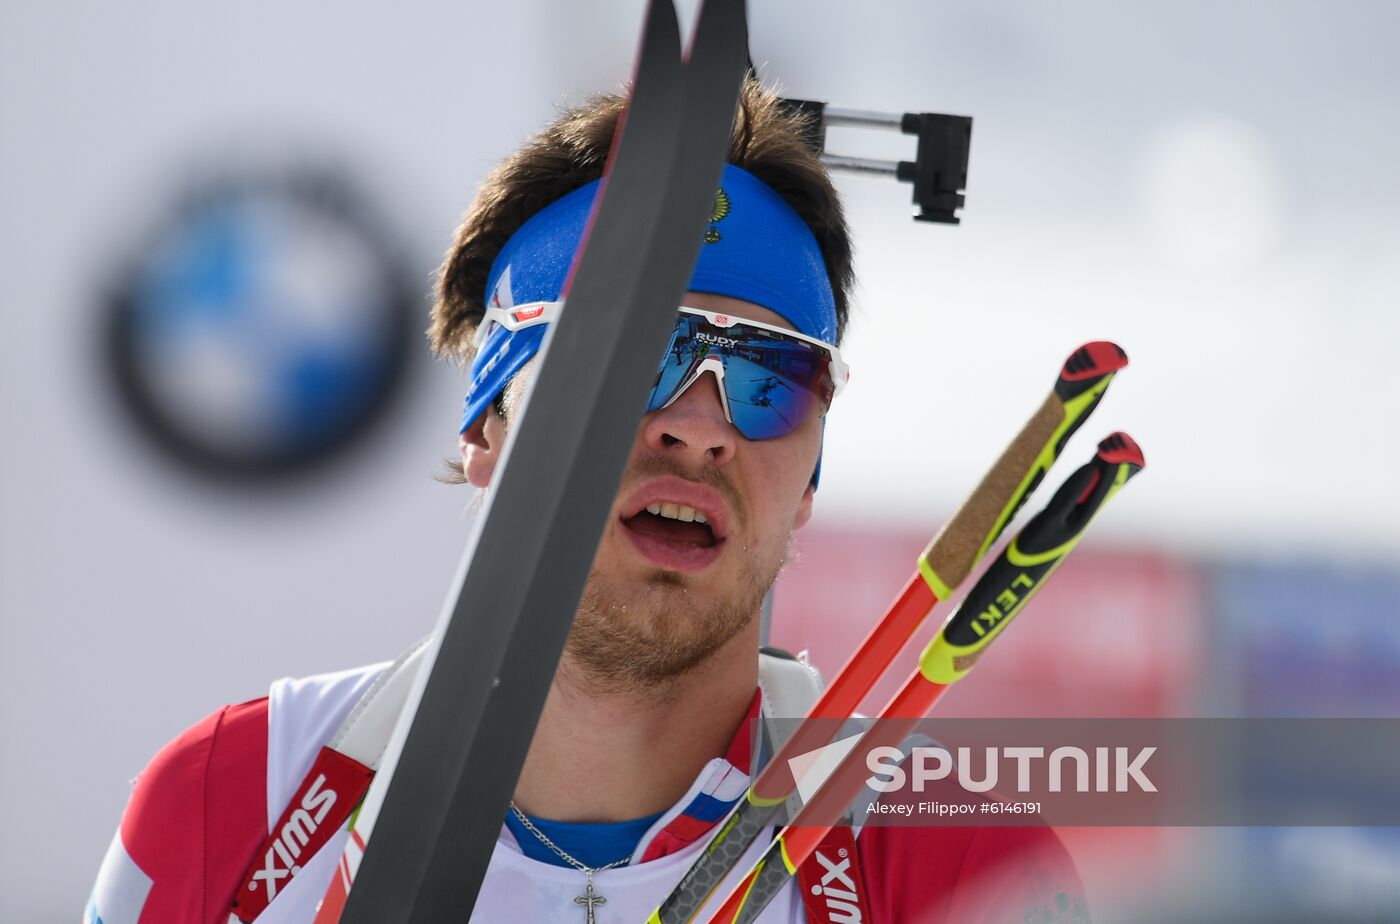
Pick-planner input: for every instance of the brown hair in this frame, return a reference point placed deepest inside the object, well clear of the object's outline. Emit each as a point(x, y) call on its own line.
point(570, 152)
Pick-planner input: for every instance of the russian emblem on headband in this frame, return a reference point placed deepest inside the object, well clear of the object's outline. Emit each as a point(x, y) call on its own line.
point(720, 211)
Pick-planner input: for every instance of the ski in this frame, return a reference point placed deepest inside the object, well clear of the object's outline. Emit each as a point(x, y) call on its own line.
point(436, 806)
point(1023, 567)
point(947, 561)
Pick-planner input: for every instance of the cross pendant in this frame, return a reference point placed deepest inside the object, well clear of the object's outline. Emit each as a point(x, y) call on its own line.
point(590, 898)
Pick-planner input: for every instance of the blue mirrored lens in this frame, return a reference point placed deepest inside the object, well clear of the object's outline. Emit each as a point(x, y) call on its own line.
point(676, 364)
point(765, 401)
point(773, 383)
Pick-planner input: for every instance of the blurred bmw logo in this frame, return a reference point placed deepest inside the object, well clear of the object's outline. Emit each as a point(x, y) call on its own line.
point(263, 326)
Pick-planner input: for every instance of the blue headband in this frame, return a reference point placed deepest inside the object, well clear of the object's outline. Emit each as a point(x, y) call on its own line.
point(756, 249)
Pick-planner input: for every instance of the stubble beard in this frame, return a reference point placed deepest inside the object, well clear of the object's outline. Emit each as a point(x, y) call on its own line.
point(643, 636)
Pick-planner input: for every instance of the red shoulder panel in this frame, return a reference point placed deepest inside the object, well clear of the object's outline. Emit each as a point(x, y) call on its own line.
point(198, 812)
point(911, 872)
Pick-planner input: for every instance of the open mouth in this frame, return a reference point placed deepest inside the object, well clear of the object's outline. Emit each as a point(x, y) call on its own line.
point(673, 535)
point(675, 523)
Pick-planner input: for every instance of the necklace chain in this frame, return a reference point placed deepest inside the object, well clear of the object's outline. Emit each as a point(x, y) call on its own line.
point(572, 861)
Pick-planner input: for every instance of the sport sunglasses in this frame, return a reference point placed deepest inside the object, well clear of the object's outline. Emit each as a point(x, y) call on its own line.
point(771, 380)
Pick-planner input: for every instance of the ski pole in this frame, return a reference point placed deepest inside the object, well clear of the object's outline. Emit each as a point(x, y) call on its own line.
point(1003, 591)
point(952, 554)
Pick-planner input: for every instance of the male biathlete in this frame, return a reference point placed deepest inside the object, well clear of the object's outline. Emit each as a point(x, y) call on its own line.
point(644, 742)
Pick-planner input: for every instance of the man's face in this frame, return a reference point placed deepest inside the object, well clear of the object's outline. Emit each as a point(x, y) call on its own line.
point(667, 590)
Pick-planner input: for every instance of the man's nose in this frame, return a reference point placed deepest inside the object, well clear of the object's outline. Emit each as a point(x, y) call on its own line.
point(693, 425)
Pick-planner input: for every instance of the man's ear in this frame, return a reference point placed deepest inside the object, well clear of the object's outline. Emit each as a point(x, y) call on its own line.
point(804, 507)
point(481, 445)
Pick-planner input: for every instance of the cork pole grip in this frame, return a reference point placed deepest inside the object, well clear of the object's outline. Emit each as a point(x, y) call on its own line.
point(954, 550)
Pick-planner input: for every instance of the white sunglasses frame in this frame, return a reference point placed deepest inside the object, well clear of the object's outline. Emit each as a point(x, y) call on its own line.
point(519, 317)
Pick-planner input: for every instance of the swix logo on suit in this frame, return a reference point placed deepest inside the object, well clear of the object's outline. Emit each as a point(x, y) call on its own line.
point(327, 796)
point(839, 890)
point(296, 834)
point(833, 891)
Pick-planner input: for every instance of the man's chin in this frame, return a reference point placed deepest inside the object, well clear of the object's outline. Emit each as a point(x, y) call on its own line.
point(660, 577)
point(652, 637)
